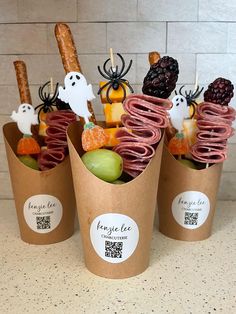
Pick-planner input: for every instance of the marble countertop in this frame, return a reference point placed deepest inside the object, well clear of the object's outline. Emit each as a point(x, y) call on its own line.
point(183, 277)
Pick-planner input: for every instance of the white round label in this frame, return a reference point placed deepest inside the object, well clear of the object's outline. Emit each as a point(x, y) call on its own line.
point(191, 209)
point(114, 237)
point(43, 212)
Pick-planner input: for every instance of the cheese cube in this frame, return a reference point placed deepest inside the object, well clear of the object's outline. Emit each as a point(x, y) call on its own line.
point(114, 95)
point(113, 113)
point(111, 135)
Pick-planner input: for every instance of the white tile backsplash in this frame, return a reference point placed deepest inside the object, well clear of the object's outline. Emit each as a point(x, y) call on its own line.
point(167, 10)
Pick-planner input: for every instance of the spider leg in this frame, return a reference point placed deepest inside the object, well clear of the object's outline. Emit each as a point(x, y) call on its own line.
point(196, 94)
point(128, 84)
point(101, 88)
point(102, 74)
point(43, 87)
point(105, 69)
point(40, 93)
point(39, 113)
point(185, 94)
point(38, 106)
point(123, 87)
point(180, 90)
point(127, 70)
point(196, 90)
point(176, 93)
point(122, 64)
point(107, 94)
point(194, 110)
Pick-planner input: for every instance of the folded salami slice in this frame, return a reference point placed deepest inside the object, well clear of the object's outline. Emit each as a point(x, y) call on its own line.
point(146, 116)
point(145, 134)
point(214, 128)
point(56, 141)
point(213, 132)
point(56, 132)
point(49, 158)
point(216, 113)
point(56, 144)
point(135, 156)
point(210, 153)
point(148, 109)
point(60, 117)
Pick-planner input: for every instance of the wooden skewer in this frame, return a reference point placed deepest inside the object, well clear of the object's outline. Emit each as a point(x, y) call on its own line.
point(112, 58)
point(51, 86)
point(196, 81)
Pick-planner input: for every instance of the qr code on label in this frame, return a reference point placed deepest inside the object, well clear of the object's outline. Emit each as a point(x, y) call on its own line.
point(113, 249)
point(190, 218)
point(43, 222)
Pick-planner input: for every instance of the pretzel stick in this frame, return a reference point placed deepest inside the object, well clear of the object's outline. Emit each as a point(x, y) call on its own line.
point(22, 81)
point(68, 54)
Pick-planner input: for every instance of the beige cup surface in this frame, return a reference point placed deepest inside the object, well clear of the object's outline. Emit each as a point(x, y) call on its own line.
point(176, 178)
point(94, 197)
point(27, 182)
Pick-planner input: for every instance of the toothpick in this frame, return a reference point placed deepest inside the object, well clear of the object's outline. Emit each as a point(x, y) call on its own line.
point(112, 59)
point(196, 81)
point(51, 86)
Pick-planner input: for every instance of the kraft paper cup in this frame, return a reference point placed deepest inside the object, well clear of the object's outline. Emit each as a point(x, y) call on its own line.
point(44, 200)
point(186, 199)
point(116, 221)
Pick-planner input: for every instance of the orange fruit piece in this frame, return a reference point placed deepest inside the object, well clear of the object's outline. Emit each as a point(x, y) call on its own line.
point(178, 145)
point(93, 137)
point(27, 145)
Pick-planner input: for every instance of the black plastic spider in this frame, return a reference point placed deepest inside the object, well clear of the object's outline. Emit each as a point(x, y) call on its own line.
point(191, 97)
point(49, 100)
point(114, 77)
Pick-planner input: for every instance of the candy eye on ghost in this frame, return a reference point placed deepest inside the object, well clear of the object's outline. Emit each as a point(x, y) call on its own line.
point(71, 77)
point(77, 76)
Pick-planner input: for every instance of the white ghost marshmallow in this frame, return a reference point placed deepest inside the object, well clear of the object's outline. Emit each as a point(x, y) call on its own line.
point(76, 93)
point(25, 117)
point(179, 112)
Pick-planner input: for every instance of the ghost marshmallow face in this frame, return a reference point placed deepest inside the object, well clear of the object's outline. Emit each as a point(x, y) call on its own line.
point(25, 109)
point(179, 111)
point(179, 100)
point(25, 117)
point(72, 80)
point(76, 93)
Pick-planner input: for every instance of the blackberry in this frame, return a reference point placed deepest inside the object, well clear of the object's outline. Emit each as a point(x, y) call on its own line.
point(219, 92)
point(161, 79)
